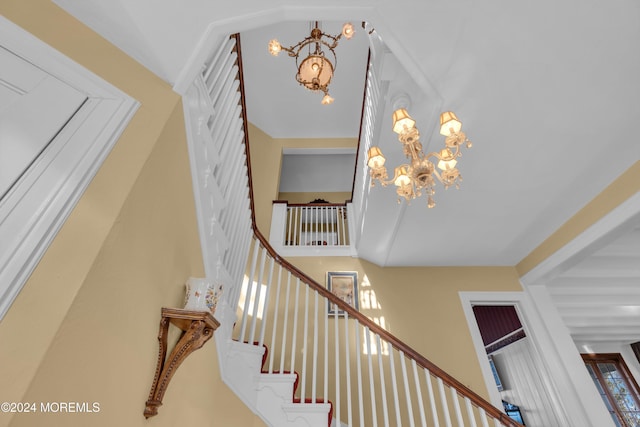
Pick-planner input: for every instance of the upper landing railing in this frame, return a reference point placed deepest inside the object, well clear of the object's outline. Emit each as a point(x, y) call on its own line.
point(311, 229)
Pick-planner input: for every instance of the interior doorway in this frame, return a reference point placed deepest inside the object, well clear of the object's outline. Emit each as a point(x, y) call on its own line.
point(518, 380)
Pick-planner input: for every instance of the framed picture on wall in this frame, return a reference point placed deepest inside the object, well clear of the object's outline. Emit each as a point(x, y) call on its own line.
point(343, 284)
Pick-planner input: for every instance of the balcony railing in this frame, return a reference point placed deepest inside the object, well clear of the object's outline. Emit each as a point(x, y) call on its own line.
point(311, 229)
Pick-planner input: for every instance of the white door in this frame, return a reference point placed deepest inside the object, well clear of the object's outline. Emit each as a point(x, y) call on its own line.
point(34, 106)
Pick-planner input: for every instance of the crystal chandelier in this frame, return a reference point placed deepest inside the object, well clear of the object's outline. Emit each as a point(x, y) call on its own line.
point(316, 69)
point(412, 178)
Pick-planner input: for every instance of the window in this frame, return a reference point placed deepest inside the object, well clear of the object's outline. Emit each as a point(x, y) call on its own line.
point(616, 386)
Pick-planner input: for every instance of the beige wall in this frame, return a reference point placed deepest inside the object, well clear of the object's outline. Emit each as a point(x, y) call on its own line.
point(84, 327)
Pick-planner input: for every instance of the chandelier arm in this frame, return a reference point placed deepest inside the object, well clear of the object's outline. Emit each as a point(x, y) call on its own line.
point(455, 154)
point(415, 152)
point(437, 175)
point(335, 41)
point(395, 175)
point(294, 50)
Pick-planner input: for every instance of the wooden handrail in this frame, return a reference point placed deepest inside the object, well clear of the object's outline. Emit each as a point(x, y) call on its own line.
point(476, 399)
point(304, 205)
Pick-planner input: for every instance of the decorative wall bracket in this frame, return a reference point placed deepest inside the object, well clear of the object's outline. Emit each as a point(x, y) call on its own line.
point(197, 328)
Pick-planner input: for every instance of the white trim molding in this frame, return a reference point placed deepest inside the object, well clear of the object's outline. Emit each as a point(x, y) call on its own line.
point(603, 230)
point(36, 207)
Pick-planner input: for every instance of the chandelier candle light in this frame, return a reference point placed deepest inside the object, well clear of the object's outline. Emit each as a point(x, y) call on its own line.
point(414, 177)
point(316, 69)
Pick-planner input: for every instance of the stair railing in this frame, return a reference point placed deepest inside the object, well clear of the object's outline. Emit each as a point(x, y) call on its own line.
point(371, 377)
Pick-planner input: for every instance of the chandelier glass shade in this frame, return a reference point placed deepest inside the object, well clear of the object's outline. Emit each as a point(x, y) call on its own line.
point(420, 174)
point(315, 58)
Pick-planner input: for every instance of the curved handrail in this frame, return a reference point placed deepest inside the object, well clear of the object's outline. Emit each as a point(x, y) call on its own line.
point(422, 361)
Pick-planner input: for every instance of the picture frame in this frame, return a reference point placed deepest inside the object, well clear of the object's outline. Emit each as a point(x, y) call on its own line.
point(343, 284)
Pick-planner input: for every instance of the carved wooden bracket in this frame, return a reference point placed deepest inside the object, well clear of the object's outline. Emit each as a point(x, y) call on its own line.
point(197, 328)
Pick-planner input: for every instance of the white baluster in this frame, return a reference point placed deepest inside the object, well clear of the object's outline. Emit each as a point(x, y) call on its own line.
point(305, 348)
point(383, 388)
point(276, 312)
point(423, 419)
point(358, 357)
point(247, 296)
point(456, 406)
point(302, 220)
point(483, 417)
point(325, 388)
point(443, 401)
point(337, 362)
point(256, 300)
point(265, 304)
point(432, 400)
point(225, 49)
point(372, 390)
point(347, 358)
point(288, 239)
point(294, 349)
point(314, 376)
point(394, 385)
point(470, 414)
point(284, 323)
point(332, 226)
point(344, 226)
point(407, 392)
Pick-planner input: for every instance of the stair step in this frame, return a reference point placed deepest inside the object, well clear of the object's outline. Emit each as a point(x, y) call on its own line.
point(281, 385)
point(314, 413)
point(272, 395)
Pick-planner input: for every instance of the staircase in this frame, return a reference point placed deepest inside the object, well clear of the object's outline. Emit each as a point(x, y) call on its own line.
point(291, 362)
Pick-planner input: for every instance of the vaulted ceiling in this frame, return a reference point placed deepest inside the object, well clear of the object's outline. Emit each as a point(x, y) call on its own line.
point(547, 91)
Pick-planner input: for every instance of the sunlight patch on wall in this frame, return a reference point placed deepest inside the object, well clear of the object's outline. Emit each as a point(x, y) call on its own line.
point(258, 292)
point(370, 307)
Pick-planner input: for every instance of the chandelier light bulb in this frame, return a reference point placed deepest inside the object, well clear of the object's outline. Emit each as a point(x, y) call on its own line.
point(376, 159)
point(402, 177)
point(402, 121)
point(348, 31)
point(449, 123)
point(447, 160)
point(274, 47)
point(327, 99)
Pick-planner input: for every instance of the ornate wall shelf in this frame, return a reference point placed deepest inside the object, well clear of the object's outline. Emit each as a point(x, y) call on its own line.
point(197, 328)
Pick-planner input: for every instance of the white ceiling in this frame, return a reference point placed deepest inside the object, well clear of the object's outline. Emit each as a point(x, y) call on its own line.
point(548, 92)
point(598, 293)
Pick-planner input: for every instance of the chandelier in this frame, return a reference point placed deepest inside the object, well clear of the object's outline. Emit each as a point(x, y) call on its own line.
point(412, 178)
point(316, 69)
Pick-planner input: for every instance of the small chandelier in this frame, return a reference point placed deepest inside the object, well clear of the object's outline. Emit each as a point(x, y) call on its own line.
point(316, 69)
point(418, 175)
